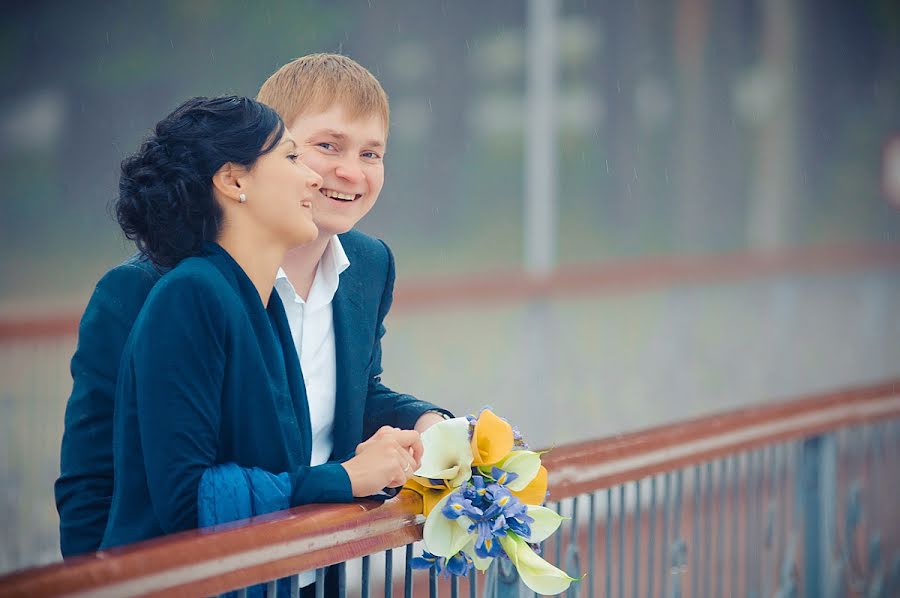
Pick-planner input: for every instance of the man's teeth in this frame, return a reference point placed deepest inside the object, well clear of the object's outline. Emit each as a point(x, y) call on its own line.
point(341, 196)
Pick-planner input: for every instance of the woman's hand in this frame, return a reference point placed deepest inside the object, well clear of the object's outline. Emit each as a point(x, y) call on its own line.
point(386, 460)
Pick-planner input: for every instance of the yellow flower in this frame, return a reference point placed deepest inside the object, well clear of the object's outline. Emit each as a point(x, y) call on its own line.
point(536, 491)
point(431, 496)
point(492, 440)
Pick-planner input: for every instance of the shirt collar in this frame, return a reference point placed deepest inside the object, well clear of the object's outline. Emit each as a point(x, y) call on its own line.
point(325, 284)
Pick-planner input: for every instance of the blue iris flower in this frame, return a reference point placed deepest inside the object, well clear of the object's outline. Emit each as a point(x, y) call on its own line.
point(503, 477)
point(458, 505)
point(486, 545)
point(427, 561)
point(459, 564)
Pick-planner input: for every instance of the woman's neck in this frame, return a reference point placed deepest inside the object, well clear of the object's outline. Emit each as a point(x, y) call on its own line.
point(259, 260)
point(300, 264)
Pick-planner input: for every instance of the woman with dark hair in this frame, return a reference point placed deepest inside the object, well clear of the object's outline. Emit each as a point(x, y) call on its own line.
point(209, 382)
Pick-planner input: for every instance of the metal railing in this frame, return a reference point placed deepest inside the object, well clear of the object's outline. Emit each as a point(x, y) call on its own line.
point(793, 498)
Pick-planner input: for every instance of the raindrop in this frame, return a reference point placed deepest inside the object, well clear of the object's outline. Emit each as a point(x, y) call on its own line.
point(429, 105)
point(212, 54)
point(107, 38)
point(607, 166)
point(172, 43)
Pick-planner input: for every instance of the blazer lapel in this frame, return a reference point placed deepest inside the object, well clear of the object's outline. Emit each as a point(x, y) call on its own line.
point(346, 315)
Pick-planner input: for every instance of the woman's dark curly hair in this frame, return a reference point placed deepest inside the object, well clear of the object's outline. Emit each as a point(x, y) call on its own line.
point(166, 204)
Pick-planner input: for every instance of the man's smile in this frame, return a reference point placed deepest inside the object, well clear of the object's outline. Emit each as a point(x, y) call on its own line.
point(339, 196)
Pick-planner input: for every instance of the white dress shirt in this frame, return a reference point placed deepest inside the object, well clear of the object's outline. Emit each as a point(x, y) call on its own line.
point(312, 328)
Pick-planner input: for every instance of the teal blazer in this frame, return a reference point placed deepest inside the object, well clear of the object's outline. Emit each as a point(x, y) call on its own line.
point(85, 487)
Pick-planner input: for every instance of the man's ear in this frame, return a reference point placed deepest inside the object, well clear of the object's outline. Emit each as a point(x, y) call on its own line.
point(227, 181)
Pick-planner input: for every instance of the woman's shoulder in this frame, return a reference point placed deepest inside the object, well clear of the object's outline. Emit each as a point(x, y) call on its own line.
point(194, 281)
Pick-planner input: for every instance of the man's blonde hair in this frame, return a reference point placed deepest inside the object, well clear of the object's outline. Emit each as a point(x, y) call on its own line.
point(315, 82)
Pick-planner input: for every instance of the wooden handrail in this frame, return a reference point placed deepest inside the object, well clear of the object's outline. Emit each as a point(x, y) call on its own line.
point(214, 560)
point(596, 279)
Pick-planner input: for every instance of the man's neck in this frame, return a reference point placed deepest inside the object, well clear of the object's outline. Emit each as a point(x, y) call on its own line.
point(300, 264)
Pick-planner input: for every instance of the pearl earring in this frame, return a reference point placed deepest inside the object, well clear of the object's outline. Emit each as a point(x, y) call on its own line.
point(242, 198)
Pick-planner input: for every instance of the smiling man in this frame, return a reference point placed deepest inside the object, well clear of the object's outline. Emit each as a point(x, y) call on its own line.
point(336, 293)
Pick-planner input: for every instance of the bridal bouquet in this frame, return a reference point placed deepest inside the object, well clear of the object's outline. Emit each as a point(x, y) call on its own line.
point(482, 491)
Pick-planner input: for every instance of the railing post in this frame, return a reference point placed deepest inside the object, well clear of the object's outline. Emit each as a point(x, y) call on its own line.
point(818, 501)
point(502, 580)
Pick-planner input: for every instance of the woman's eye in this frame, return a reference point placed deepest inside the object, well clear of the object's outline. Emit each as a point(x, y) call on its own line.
point(326, 145)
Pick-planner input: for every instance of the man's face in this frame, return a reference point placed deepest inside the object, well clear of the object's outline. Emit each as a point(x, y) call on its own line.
point(348, 155)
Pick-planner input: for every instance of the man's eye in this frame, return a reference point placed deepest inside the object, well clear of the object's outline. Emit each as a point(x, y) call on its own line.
point(326, 145)
point(293, 157)
point(371, 155)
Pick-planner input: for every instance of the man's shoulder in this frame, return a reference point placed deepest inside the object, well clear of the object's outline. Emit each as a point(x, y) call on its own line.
point(362, 247)
point(135, 271)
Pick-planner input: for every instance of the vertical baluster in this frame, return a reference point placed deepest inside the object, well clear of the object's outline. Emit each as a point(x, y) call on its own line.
point(573, 565)
point(752, 524)
point(473, 586)
point(784, 507)
point(341, 579)
point(812, 516)
point(720, 525)
point(432, 583)
point(664, 545)
point(241, 593)
point(366, 564)
point(769, 513)
point(621, 552)
point(707, 528)
point(294, 582)
point(694, 554)
point(678, 558)
point(608, 531)
point(454, 586)
point(320, 583)
point(592, 532)
point(735, 519)
point(272, 587)
point(388, 573)
point(408, 574)
point(651, 540)
point(750, 531)
point(762, 519)
point(558, 540)
point(636, 552)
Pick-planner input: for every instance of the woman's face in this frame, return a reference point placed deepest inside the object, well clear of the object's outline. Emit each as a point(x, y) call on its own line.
point(280, 191)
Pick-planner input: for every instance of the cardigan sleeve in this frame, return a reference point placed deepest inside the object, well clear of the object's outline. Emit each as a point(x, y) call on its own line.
point(384, 407)
point(178, 364)
point(85, 485)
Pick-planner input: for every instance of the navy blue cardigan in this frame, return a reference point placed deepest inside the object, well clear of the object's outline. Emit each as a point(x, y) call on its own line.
point(84, 488)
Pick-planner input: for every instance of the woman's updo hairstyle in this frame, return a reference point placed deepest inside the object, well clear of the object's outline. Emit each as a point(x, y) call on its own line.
point(166, 204)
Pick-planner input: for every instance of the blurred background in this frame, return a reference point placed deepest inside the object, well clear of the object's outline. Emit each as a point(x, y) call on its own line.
point(606, 215)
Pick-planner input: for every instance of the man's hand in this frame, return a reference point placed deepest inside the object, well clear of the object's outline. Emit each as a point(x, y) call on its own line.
point(426, 420)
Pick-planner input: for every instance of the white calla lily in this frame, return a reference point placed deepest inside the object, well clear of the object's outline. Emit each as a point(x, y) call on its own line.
point(448, 452)
point(545, 523)
point(525, 464)
point(535, 572)
point(445, 537)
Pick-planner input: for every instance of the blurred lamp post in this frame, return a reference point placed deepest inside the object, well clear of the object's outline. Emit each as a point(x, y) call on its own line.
point(541, 194)
point(890, 170)
point(541, 126)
